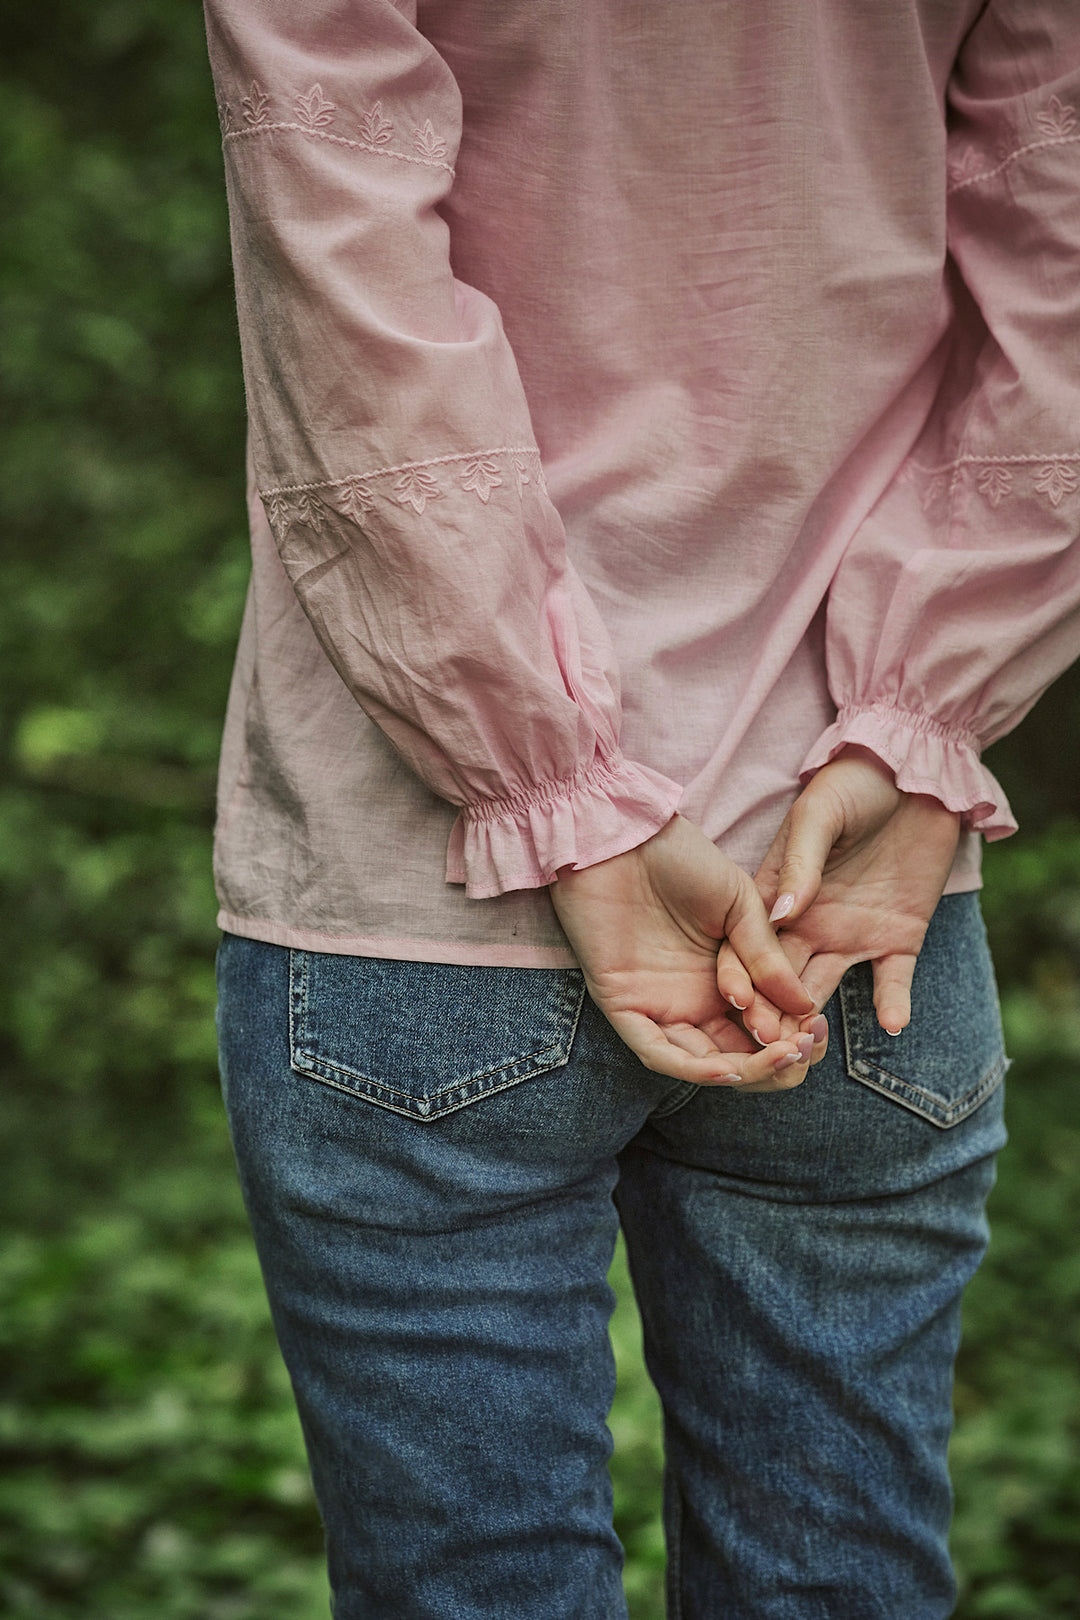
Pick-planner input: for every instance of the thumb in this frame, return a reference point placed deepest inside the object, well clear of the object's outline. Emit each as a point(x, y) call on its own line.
point(812, 829)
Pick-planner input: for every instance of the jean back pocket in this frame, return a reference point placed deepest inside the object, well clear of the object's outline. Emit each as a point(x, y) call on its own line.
point(426, 1038)
point(951, 1057)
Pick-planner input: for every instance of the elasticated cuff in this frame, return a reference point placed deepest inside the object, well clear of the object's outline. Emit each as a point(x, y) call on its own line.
point(520, 843)
point(925, 756)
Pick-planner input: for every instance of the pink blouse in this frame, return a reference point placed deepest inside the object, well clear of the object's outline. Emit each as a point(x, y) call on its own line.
point(645, 401)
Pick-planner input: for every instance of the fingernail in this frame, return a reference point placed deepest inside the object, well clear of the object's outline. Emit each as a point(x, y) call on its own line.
point(727, 1079)
point(805, 1043)
point(781, 908)
point(819, 1028)
point(787, 1062)
point(741, 1005)
point(894, 1032)
point(758, 1038)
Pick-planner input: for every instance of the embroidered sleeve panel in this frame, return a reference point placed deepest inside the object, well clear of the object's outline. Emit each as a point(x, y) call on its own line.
point(1053, 123)
point(312, 113)
point(314, 523)
point(410, 484)
point(1047, 477)
point(1014, 97)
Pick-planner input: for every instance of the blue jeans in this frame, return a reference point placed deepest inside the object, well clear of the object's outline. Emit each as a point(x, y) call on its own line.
point(435, 1160)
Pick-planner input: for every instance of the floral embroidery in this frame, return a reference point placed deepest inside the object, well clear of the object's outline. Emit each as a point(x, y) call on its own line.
point(315, 114)
point(428, 144)
point(310, 510)
point(1056, 480)
point(376, 129)
point(313, 110)
point(355, 498)
point(966, 166)
point(481, 475)
point(934, 491)
point(415, 488)
point(283, 510)
point(1058, 123)
point(995, 482)
point(278, 513)
point(1054, 476)
point(255, 104)
point(1057, 119)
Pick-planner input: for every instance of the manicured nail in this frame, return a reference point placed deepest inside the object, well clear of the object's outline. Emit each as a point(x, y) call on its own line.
point(787, 1062)
point(781, 908)
point(741, 1005)
point(727, 1079)
point(758, 1038)
point(805, 1043)
point(894, 1032)
point(819, 1028)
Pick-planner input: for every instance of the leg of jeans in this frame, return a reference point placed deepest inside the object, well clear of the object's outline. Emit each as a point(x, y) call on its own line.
point(438, 1284)
point(799, 1261)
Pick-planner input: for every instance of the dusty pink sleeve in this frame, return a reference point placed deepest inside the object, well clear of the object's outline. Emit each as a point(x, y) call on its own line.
point(958, 601)
point(393, 448)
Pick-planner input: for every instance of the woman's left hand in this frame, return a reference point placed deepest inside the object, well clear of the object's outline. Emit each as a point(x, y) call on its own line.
point(853, 875)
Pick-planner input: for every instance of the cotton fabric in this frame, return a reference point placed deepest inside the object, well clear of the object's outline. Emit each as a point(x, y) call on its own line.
point(645, 401)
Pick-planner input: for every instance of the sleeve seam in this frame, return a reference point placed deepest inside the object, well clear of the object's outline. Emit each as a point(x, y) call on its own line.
point(1015, 460)
point(1021, 151)
point(339, 140)
point(405, 466)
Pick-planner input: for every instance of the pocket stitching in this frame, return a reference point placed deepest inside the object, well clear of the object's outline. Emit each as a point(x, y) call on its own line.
point(384, 1085)
point(421, 1110)
point(947, 1114)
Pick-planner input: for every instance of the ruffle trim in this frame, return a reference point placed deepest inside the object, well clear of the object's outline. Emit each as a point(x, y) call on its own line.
point(521, 843)
point(925, 756)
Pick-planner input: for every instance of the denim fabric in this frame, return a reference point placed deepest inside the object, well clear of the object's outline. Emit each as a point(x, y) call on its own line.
point(433, 1156)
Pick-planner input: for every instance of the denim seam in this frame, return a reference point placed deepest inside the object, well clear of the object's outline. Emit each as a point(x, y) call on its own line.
point(420, 1111)
point(947, 1117)
point(684, 1092)
point(673, 1530)
point(555, 1050)
point(990, 1078)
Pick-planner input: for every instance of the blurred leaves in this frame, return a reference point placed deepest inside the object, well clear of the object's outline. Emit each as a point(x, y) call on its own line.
point(151, 1458)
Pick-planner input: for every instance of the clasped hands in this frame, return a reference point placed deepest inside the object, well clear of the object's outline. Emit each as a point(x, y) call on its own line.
point(680, 956)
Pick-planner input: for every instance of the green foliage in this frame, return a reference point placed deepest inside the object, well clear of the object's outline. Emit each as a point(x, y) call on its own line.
point(150, 1458)
point(153, 1463)
point(1016, 1454)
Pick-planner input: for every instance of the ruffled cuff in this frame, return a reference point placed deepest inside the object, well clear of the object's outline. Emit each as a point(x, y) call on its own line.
point(925, 756)
point(521, 842)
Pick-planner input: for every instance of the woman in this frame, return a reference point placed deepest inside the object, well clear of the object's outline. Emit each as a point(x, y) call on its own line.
point(662, 468)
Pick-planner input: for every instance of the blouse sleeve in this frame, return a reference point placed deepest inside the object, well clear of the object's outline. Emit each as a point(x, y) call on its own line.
point(393, 449)
point(958, 601)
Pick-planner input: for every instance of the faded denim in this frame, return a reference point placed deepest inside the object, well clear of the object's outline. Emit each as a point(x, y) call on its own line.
point(433, 1156)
